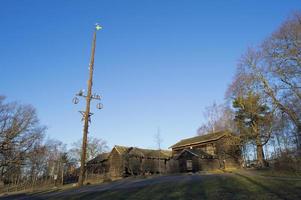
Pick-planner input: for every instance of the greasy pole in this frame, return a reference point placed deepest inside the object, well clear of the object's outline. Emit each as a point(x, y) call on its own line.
point(87, 116)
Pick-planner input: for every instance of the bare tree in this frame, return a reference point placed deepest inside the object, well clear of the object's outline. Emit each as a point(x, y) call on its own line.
point(95, 146)
point(282, 61)
point(218, 118)
point(273, 71)
point(25, 158)
point(19, 132)
point(55, 158)
point(36, 163)
point(158, 140)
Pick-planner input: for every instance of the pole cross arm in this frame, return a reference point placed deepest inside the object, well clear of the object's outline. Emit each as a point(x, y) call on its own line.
point(84, 115)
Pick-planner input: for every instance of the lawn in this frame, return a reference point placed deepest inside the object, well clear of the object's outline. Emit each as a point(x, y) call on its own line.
point(227, 186)
point(234, 185)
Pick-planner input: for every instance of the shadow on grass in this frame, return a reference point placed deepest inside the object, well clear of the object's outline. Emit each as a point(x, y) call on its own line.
point(224, 187)
point(22, 196)
point(192, 188)
point(265, 188)
point(184, 187)
point(179, 189)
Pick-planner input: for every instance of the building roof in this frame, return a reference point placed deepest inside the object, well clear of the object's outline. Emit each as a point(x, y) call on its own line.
point(146, 153)
point(200, 139)
point(122, 149)
point(150, 153)
point(99, 158)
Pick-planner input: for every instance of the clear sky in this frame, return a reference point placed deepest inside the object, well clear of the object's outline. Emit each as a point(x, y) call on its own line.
point(157, 63)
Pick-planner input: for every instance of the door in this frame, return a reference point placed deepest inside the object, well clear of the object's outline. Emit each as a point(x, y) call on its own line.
point(189, 165)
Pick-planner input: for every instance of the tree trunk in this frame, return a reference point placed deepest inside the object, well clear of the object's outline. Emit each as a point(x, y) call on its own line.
point(279, 144)
point(298, 139)
point(260, 156)
point(291, 113)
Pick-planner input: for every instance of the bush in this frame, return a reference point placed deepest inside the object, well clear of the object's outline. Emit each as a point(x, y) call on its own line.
point(287, 162)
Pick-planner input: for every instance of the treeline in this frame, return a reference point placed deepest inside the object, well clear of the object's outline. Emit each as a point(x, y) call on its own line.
point(27, 158)
point(263, 103)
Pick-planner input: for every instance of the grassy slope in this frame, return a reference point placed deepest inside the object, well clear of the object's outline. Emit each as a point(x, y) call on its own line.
point(211, 187)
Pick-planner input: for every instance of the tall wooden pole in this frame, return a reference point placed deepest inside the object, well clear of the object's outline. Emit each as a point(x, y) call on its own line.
point(87, 116)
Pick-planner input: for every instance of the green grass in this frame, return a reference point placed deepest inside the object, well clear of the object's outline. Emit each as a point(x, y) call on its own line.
point(210, 187)
point(277, 173)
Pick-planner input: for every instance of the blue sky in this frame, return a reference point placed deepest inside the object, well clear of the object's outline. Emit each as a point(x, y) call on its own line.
point(157, 63)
